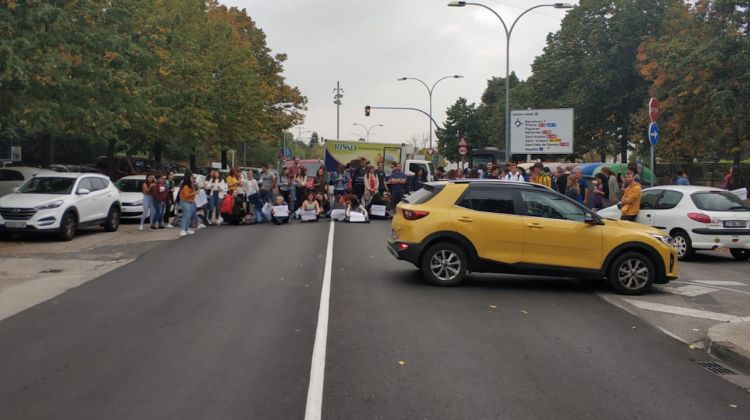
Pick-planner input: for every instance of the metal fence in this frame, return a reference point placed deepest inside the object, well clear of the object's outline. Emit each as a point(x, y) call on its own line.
point(701, 173)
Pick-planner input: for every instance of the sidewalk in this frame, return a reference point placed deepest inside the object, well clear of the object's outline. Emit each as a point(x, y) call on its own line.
point(731, 342)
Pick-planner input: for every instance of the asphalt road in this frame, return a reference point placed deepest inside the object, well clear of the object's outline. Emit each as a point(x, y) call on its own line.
point(221, 325)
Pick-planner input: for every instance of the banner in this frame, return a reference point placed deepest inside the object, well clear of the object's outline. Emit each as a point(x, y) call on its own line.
point(342, 152)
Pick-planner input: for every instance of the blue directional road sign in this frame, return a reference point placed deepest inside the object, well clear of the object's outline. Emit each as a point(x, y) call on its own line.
point(653, 133)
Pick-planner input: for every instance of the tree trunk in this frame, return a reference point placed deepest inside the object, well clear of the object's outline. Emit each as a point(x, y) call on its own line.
point(111, 144)
point(224, 159)
point(48, 150)
point(158, 147)
point(192, 162)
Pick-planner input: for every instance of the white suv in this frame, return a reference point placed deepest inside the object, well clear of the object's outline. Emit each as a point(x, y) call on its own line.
point(60, 203)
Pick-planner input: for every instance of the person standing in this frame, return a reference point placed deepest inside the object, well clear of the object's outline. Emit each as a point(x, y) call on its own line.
point(419, 179)
point(187, 203)
point(733, 180)
point(215, 188)
point(284, 184)
point(159, 199)
point(233, 180)
point(613, 187)
point(380, 172)
point(340, 180)
point(358, 178)
point(513, 174)
point(169, 210)
point(630, 205)
point(397, 185)
point(267, 184)
point(560, 181)
point(571, 189)
point(583, 188)
point(539, 176)
point(147, 200)
point(372, 184)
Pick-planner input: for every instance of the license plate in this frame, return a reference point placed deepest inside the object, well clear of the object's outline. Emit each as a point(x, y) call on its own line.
point(15, 225)
point(735, 223)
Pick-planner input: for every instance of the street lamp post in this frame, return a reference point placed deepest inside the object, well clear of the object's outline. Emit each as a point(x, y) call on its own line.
point(508, 33)
point(367, 130)
point(429, 92)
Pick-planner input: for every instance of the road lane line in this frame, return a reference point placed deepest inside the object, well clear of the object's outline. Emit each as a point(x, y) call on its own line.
point(689, 290)
point(679, 310)
point(720, 282)
point(715, 287)
point(314, 408)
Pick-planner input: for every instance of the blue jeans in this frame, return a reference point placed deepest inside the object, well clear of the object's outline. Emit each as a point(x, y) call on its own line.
point(255, 200)
point(187, 214)
point(157, 212)
point(213, 206)
point(268, 196)
point(147, 200)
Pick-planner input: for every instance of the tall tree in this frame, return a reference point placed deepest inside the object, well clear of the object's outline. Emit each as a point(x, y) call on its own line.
point(461, 122)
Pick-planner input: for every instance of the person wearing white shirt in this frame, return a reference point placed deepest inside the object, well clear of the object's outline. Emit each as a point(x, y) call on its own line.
point(513, 174)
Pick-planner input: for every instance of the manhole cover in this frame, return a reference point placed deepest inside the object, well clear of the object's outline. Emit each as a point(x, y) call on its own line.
point(51, 271)
point(717, 368)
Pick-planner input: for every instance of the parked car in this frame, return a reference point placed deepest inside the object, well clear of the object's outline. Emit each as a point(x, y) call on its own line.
point(61, 203)
point(131, 196)
point(450, 228)
point(64, 167)
point(13, 176)
point(697, 217)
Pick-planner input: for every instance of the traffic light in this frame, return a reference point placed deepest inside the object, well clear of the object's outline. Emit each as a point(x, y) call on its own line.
point(367, 110)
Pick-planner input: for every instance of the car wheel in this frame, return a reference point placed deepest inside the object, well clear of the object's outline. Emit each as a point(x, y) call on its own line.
point(632, 273)
point(113, 219)
point(68, 227)
point(684, 246)
point(740, 254)
point(444, 264)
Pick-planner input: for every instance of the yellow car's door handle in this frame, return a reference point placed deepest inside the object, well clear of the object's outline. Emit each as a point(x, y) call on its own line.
point(465, 219)
point(535, 226)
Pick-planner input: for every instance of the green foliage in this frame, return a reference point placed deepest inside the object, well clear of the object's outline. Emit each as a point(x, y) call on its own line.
point(462, 122)
point(188, 74)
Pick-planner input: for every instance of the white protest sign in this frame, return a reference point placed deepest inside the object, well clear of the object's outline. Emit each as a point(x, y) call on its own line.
point(377, 210)
point(201, 199)
point(308, 215)
point(281, 211)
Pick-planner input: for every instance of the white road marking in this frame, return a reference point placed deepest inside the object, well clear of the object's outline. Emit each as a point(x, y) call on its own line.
point(720, 282)
point(689, 290)
point(715, 287)
point(673, 335)
point(314, 408)
point(679, 310)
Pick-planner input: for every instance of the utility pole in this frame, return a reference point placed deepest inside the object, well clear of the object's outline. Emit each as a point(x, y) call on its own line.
point(339, 93)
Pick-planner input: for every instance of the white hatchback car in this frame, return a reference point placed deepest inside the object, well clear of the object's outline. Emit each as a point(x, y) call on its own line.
point(61, 203)
point(13, 176)
point(698, 218)
point(131, 194)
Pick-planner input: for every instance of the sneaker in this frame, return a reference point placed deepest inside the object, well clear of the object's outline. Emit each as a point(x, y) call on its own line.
point(201, 226)
point(190, 232)
point(152, 228)
point(140, 227)
point(161, 226)
point(183, 233)
point(169, 226)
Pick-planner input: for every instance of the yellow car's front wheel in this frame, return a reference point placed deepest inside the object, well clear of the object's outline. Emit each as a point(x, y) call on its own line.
point(444, 264)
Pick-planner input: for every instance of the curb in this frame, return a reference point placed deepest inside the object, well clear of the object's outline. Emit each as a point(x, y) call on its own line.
point(719, 346)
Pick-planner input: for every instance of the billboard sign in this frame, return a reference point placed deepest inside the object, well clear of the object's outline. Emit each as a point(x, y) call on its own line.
point(541, 131)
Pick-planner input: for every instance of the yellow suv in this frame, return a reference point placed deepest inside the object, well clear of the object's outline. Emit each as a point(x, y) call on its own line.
point(450, 228)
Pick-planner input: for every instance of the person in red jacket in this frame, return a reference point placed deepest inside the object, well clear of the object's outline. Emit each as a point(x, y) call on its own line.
point(227, 209)
point(159, 198)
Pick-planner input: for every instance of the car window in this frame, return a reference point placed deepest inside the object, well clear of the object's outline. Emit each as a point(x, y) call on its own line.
point(10, 175)
point(489, 200)
point(669, 200)
point(129, 185)
point(414, 167)
point(718, 201)
point(99, 183)
point(85, 183)
point(551, 206)
point(649, 199)
point(47, 185)
point(422, 195)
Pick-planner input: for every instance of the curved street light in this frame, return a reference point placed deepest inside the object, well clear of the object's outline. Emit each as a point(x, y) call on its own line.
point(508, 33)
point(429, 92)
point(368, 129)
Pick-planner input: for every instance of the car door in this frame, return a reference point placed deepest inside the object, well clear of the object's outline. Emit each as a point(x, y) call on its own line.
point(104, 196)
point(486, 215)
point(555, 233)
point(649, 200)
point(663, 216)
point(86, 203)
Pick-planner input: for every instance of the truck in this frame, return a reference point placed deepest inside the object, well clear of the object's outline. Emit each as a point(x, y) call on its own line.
point(343, 152)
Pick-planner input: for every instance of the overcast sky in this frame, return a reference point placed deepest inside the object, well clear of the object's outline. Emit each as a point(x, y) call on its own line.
point(367, 45)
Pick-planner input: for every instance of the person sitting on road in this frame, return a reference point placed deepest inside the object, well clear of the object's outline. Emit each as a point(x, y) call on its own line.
point(355, 207)
point(325, 205)
point(310, 204)
point(277, 220)
point(229, 212)
point(379, 200)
